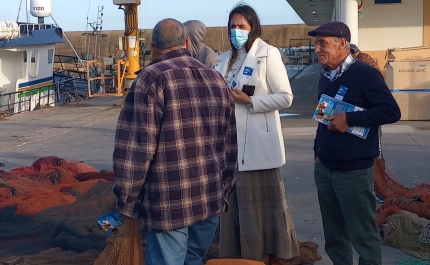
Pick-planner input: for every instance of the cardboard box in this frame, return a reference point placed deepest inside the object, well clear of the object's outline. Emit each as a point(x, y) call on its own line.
point(415, 106)
point(412, 53)
point(408, 75)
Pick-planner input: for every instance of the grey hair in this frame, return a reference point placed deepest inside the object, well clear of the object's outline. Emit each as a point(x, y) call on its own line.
point(169, 33)
point(348, 45)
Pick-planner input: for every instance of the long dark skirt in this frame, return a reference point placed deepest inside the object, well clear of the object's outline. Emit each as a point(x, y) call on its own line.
point(258, 220)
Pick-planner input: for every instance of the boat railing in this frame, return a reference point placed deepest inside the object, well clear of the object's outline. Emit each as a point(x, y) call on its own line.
point(63, 90)
point(25, 29)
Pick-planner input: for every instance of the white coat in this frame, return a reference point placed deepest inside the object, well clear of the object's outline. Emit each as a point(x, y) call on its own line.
point(260, 139)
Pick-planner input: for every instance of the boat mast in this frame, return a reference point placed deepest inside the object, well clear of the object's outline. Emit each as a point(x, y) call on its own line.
point(28, 11)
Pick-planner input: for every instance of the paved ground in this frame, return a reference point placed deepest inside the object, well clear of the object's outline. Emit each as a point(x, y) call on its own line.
point(86, 133)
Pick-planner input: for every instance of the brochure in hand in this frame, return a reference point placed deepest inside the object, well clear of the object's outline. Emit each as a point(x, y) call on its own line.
point(111, 222)
point(328, 106)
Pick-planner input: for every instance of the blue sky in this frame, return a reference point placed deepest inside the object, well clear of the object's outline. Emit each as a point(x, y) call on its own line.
point(72, 16)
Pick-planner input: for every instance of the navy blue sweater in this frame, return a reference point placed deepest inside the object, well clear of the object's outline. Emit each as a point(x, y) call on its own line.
point(366, 89)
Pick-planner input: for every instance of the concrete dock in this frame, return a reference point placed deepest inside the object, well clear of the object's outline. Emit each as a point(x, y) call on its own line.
point(86, 133)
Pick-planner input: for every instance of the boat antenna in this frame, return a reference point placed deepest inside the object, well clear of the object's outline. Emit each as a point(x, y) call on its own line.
point(88, 13)
point(28, 10)
point(19, 11)
point(149, 17)
point(88, 40)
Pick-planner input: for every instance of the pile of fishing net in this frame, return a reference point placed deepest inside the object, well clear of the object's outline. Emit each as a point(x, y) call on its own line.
point(48, 216)
point(405, 216)
point(407, 231)
point(48, 211)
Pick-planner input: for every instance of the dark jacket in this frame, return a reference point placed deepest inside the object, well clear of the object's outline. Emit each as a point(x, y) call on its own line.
point(366, 89)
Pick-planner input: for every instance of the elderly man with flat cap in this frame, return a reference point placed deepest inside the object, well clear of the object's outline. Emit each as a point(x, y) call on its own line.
point(344, 162)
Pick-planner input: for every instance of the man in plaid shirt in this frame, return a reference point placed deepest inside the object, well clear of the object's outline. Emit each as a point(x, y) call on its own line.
point(175, 150)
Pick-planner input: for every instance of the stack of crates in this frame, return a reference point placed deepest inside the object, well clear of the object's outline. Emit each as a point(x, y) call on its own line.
point(408, 77)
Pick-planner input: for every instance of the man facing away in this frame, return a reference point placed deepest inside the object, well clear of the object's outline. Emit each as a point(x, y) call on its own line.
point(175, 150)
point(344, 173)
point(358, 55)
point(197, 32)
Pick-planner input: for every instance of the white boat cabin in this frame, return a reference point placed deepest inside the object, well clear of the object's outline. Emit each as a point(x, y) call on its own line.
point(26, 65)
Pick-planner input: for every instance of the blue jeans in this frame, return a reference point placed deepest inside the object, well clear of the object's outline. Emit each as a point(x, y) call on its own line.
point(185, 246)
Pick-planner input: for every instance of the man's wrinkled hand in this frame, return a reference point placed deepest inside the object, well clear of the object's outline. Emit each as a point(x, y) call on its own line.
point(338, 123)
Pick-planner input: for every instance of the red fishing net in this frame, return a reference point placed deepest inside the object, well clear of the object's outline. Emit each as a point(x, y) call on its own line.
point(416, 200)
point(48, 215)
point(48, 212)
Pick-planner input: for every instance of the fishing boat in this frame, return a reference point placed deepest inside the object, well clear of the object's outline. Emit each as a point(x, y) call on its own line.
point(26, 60)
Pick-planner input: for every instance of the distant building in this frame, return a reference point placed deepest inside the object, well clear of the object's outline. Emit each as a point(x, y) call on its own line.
point(376, 25)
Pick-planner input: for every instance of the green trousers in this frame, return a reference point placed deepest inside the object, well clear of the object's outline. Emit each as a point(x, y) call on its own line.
point(348, 209)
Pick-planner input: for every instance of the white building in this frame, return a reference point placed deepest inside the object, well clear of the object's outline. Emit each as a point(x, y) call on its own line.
point(376, 25)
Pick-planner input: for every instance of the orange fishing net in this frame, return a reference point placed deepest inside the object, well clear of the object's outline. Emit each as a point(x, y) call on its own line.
point(50, 181)
point(48, 212)
point(48, 216)
point(416, 200)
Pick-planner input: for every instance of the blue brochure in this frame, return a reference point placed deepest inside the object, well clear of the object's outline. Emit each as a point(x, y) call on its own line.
point(328, 106)
point(111, 222)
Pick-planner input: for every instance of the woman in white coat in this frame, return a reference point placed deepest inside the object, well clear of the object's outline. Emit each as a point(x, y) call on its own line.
point(258, 220)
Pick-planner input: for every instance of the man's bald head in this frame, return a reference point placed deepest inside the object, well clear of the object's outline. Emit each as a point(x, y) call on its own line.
point(169, 33)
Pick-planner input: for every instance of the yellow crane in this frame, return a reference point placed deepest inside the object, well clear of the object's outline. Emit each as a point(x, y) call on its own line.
point(126, 68)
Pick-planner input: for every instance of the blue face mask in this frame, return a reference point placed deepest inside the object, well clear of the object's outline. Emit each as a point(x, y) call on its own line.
point(239, 38)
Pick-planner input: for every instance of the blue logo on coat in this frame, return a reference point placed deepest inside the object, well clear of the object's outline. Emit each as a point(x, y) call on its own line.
point(248, 71)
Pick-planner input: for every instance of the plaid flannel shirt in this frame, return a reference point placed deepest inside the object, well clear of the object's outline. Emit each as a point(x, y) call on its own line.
point(175, 155)
point(340, 69)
